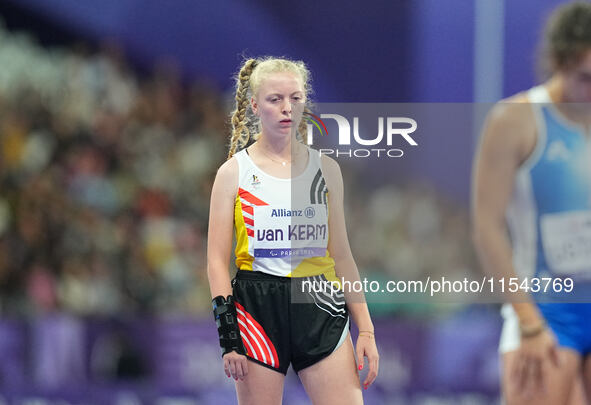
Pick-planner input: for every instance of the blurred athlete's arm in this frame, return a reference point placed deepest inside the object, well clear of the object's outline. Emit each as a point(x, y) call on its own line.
point(219, 246)
point(345, 267)
point(503, 148)
point(507, 140)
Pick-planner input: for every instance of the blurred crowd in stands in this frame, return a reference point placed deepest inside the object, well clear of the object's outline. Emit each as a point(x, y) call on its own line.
point(105, 176)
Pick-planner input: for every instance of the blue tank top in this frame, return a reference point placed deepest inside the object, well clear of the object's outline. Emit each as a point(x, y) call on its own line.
point(549, 215)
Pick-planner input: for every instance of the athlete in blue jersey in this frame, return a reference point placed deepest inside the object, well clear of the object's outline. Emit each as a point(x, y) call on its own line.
point(532, 218)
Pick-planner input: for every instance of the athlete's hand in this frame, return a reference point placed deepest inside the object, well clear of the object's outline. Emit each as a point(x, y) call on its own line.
point(235, 365)
point(366, 347)
point(535, 356)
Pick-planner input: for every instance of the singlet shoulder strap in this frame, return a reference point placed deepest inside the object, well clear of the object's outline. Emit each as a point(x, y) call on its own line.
point(539, 94)
point(242, 159)
point(315, 158)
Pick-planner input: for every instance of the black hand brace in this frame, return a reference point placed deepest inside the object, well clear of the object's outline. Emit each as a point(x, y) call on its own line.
point(224, 312)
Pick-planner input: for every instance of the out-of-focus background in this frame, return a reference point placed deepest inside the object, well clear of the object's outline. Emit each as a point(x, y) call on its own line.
point(113, 121)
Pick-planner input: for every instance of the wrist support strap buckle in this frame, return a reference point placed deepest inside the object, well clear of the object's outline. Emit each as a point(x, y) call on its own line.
point(226, 319)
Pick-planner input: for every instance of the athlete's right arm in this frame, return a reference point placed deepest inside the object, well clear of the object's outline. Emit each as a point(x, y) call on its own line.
point(221, 223)
point(219, 245)
point(504, 145)
point(507, 140)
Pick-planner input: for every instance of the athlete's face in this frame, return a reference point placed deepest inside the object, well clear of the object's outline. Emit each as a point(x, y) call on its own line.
point(577, 81)
point(279, 103)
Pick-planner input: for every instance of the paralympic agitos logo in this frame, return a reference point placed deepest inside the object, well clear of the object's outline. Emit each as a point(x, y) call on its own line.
point(390, 128)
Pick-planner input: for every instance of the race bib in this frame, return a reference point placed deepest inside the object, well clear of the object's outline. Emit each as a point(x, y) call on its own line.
point(566, 238)
point(288, 232)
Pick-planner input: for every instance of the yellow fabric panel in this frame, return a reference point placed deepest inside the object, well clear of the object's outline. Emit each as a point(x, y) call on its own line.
point(243, 258)
point(313, 266)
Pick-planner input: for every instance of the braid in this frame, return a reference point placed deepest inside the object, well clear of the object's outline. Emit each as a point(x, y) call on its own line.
point(240, 131)
point(303, 128)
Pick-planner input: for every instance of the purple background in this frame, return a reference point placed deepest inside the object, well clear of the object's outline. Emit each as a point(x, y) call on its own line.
point(450, 357)
point(382, 51)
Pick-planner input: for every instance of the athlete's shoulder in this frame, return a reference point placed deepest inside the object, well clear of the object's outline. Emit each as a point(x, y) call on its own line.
point(518, 98)
point(507, 107)
point(329, 165)
point(227, 175)
point(513, 113)
point(511, 126)
point(229, 167)
point(331, 172)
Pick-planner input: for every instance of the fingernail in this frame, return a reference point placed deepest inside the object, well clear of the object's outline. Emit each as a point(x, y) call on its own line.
point(361, 367)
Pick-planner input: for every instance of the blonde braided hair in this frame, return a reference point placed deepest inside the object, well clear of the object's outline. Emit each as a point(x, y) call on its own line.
point(248, 80)
point(240, 131)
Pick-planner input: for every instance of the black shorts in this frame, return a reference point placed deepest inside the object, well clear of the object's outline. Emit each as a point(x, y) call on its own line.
point(278, 330)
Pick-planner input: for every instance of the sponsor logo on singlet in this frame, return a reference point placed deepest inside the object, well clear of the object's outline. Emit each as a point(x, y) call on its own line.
point(558, 151)
point(286, 213)
point(291, 232)
point(256, 182)
point(309, 212)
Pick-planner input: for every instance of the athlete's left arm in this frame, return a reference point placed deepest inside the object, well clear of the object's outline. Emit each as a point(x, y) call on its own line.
point(345, 267)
